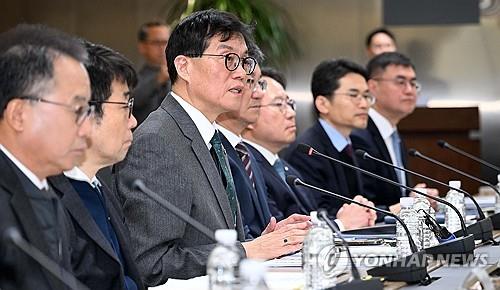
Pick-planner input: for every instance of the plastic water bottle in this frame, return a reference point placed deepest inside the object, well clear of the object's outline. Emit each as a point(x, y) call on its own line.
point(410, 218)
point(457, 199)
point(497, 197)
point(318, 256)
point(223, 261)
point(252, 275)
point(426, 237)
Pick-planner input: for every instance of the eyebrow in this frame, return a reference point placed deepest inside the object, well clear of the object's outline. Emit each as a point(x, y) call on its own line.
point(403, 77)
point(229, 47)
point(80, 99)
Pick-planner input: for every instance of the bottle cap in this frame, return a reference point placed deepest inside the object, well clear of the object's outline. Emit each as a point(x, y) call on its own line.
point(226, 236)
point(406, 201)
point(498, 178)
point(455, 183)
point(252, 268)
point(314, 217)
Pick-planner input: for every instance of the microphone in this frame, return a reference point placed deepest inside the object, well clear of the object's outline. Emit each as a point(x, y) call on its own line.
point(495, 219)
point(445, 145)
point(482, 230)
point(139, 185)
point(357, 282)
point(462, 246)
point(12, 235)
point(399, 270)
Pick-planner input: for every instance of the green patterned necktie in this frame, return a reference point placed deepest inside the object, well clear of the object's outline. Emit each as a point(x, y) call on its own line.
point(227, 178)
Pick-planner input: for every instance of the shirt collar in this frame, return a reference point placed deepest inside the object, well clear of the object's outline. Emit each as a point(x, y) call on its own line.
point(203, 125)
point(230, 136)
point(270, 156)
point(77, 174)
point(40, 184)
point(384, 126)
point(337, 139)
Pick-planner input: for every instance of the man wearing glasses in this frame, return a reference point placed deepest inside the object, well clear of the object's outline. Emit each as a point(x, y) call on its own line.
point(393, 81)
point(44, 129)
point(103, 256)
point(266, 141)
point(341, 101)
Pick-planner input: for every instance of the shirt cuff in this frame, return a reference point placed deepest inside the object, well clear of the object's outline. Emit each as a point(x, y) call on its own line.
point(340, 225)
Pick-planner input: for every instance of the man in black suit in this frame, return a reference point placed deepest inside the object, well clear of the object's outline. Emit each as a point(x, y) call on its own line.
point(341, 100)
point(266, 141)
point(103, 258)
point(393, 81)
point(44, 129)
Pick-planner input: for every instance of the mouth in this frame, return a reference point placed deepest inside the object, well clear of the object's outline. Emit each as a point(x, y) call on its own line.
point(236, 90)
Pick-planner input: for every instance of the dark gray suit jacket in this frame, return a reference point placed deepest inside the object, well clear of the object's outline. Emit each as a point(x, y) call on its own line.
point(170, 156)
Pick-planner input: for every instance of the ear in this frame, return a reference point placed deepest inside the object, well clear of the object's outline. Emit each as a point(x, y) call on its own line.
point(183, 66)
point(15, 114)
point(322, 104)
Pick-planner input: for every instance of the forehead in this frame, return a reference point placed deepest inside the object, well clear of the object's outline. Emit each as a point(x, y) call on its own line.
point(120, 91)
point(352, 81)
point(381, 38)
point(399, 71)
point(71, 80)
point(274, 89)
point(236, 43)
point(159, 31)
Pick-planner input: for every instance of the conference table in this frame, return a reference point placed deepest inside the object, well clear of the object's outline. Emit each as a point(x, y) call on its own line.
point(287, 274)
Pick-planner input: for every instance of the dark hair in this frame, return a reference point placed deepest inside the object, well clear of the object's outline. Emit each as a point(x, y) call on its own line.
point(104, 66)
point(255, 52)
point(326, 76)
point(369, 37)
point(142, 34)
point(379, 62)
point(275, 75)
point(27, 55)
point(192, 35)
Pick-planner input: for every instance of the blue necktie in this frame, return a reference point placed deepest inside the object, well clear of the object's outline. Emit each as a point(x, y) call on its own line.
point(396, 145)
point(280, 168)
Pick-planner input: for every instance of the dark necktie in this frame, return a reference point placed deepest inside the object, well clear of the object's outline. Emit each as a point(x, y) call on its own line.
point(223, 166)
point(348, 150)
point(245, 159)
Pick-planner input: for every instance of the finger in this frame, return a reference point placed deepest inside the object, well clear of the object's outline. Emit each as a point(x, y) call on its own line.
point(420, 185)
point(271, 226)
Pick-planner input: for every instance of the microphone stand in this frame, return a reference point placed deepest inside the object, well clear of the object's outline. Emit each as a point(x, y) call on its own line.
point(482, 229)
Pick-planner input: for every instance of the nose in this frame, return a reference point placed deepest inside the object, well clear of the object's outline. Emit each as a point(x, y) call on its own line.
point(85, 127)
point(290, 113)
point(132, 122)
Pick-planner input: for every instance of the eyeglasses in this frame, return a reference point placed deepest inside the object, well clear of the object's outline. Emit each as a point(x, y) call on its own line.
point(356, 97)
point(129, 105)
point(402, 83)
point(81, 112)
point(282, 104)
point(232, 61)
point(252, 84)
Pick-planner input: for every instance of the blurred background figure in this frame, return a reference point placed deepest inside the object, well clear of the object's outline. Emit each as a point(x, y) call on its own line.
point(378, 41)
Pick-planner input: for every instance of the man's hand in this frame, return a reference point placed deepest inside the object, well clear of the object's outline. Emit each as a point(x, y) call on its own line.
point(430, 191)
point(354, 216)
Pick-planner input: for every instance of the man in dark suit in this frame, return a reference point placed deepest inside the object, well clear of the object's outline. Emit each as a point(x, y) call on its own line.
point(178, 153)
point(266, 141)
point(44, 129)
point(341, 100)
point(393, 81)
point(103, 255)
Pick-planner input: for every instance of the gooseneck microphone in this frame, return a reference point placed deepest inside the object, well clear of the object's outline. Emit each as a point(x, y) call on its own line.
point(357, 282)
point(482, 230)
point(138, 184)
point(445, 145)
point(12, 235)
point(463, 246)
point(411, 273)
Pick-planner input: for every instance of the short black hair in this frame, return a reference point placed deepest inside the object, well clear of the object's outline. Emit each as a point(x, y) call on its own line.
point(104, 66)
point(369, 37)
point(326, 76)
point(192, 35)
point(142, 34)
point(255, 52)
point(27, 55)
point(379, 62)
point(275, 75)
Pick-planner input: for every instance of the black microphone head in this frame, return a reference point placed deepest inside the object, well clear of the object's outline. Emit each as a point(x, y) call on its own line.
point(360, 153)
point(413, 152)
point(442, 143)
point(292, 180)
point(304, 148)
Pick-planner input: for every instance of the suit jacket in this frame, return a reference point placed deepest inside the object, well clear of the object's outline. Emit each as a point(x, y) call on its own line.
point(16, 211)
point(370, 140)
point(283, 200)
point(170, 156)
point(95, 262)
point(253, 202)
point(320, 171)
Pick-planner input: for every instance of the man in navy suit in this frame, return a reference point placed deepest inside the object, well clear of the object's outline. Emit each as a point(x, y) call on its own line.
point(393, 81)
point(266, 141)
point(104, 259)
point(341, 100)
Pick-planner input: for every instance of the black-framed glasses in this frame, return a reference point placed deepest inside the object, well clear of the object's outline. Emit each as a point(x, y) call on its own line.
point(356, 97)
point(282, 104)
point(232, 61)
point(126, 105)
point(82, 112)
point(402, 83)
point(252, 84)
